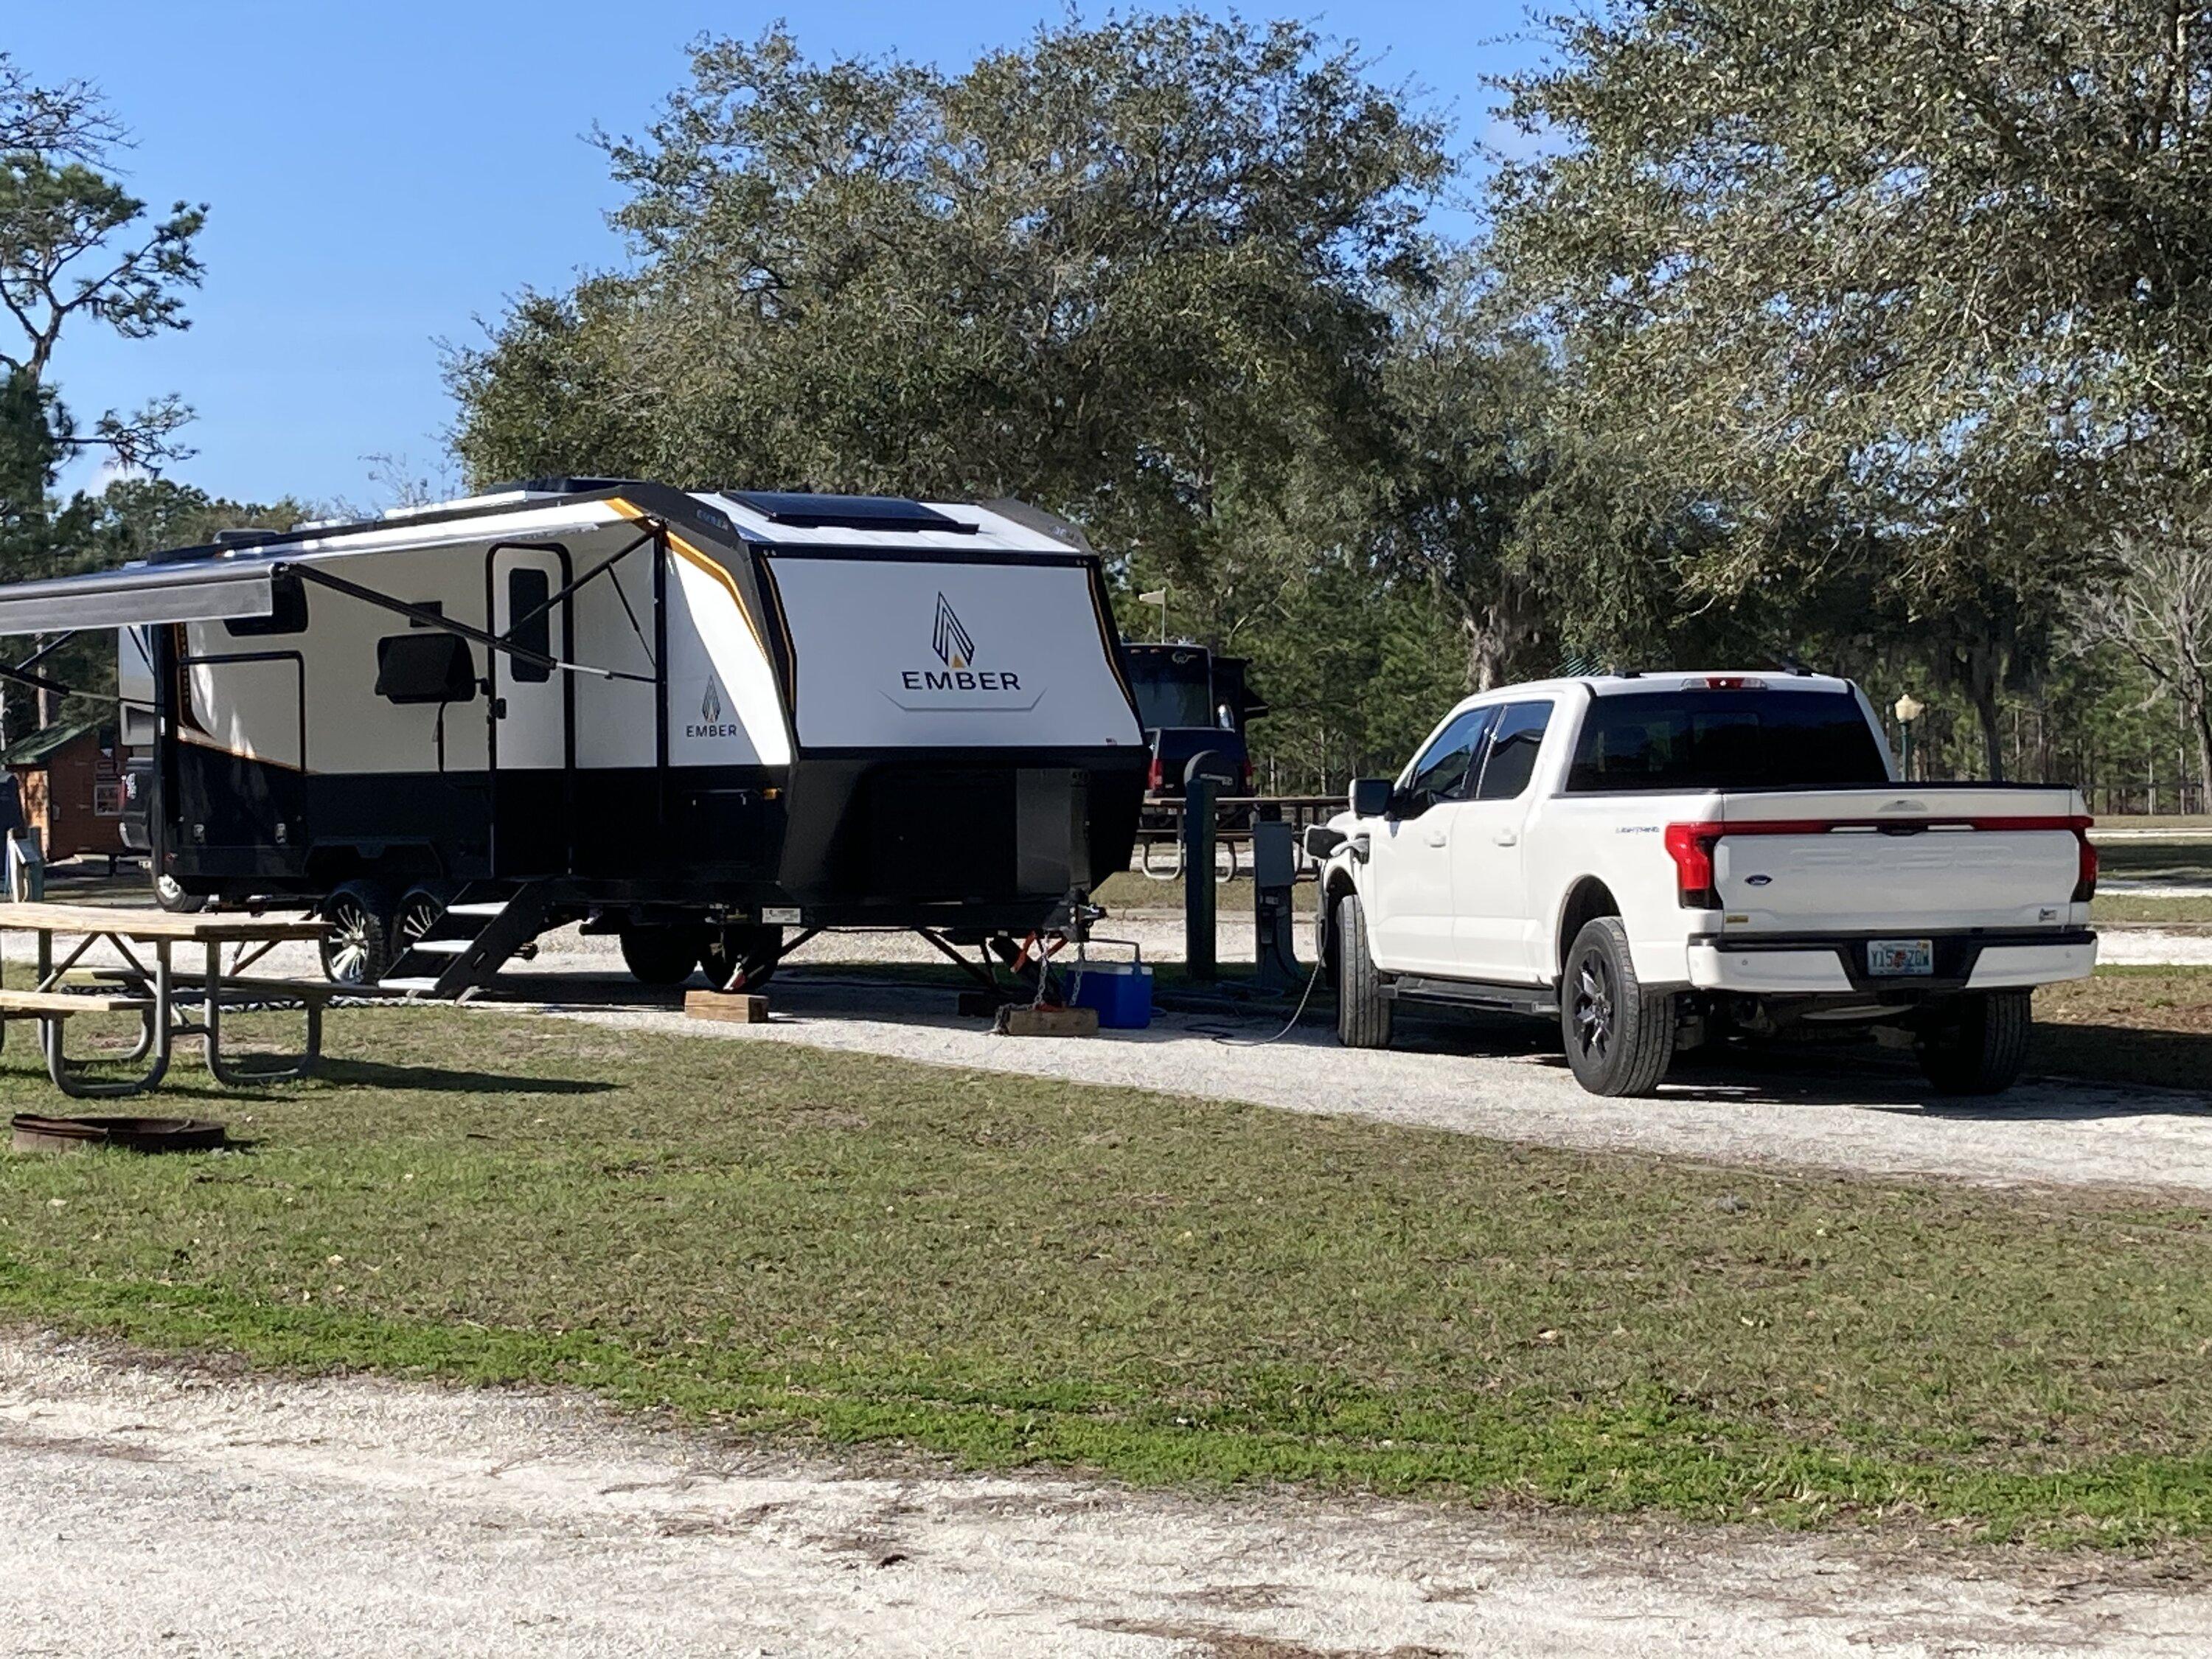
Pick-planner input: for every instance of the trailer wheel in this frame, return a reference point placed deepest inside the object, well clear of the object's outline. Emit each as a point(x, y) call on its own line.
point(740, 958)
point(417, 917)
point(660, 956)
point(358, 947)
point(1363, 1012)
point(1620, 1036)
point(1981, 1048)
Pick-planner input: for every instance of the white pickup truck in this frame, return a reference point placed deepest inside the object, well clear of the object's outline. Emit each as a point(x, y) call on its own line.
point(1662, 860)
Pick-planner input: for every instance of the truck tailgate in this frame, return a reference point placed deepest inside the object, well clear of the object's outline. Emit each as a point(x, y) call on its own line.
point(1919, 860)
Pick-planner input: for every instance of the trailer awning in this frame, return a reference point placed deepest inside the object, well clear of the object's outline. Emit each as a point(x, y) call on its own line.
point(213, 590)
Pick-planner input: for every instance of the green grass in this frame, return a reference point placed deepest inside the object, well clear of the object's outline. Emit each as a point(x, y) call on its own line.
point(1006, 1271)
point(2177, 862)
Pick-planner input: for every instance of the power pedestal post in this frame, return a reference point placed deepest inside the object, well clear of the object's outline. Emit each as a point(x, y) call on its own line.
point(1274, 875)
point(1198, 809)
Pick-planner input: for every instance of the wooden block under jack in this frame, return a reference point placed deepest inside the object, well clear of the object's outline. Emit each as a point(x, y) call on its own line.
point(1047, 1022)
point(735, 1007)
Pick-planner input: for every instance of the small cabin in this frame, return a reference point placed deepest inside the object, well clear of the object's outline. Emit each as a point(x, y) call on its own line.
point(70, 780)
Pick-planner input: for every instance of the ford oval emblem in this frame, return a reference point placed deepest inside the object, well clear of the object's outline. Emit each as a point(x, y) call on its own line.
point(1759, 881)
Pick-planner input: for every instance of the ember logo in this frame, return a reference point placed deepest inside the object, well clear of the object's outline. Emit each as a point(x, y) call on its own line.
point(954, 648)
point(712, 725)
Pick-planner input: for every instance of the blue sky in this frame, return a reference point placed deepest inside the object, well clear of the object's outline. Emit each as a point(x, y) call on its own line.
point(378, 176)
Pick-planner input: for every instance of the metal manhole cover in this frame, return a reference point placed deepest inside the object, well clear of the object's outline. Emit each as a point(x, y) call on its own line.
point(36, 1133)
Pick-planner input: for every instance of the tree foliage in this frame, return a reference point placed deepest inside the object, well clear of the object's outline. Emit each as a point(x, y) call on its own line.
point(1911, 299)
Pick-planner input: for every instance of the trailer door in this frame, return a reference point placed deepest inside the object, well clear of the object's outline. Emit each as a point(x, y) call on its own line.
point(532, 775)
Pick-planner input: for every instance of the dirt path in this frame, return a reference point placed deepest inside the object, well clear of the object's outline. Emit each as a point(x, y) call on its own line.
point(150, 1511)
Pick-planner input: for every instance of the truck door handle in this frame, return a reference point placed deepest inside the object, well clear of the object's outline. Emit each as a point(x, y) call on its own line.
point(1436, 838)
point(1505, 837)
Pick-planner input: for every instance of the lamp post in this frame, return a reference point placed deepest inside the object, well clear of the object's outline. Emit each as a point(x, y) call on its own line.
point(1157, 597)
point(1908, 709)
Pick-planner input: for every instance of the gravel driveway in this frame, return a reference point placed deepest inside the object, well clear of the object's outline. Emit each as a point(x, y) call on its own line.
point(177, 1513)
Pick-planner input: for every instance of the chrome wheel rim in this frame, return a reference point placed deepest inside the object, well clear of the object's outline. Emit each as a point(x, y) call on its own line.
point(416, 920)
point(1594, 1006)
point(346, 956)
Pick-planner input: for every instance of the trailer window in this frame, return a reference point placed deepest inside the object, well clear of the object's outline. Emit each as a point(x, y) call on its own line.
point(526, 591)
point(1744, 739)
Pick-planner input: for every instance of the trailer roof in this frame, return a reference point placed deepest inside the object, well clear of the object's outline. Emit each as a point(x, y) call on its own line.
point(234, 577)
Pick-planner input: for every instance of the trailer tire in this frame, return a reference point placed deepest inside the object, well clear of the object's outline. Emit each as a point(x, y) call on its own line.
point(1363, 1012)
point(740, 958)
point(1982, 1050)
point(661, 957)
point(357, 949)
point(1619, 1037)
point(414, 918)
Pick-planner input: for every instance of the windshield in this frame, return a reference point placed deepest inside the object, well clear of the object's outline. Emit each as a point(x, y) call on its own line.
point(1746, 739)
point(1171, 694)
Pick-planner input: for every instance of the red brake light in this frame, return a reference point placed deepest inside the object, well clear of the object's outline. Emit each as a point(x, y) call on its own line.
point(1691, 847)
point(1155, 777)
point(1249, 774)
point(2085, 884)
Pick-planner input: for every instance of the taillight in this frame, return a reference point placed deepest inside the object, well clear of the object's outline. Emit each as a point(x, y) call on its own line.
point(1157, 775)
point(1691, 847)
point(2085, 879)
point(1250, 777)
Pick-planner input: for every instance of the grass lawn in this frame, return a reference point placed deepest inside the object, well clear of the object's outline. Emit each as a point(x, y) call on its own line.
point(1005, 1270)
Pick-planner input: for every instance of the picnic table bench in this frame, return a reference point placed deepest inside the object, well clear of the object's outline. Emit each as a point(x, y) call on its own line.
point(156, 993)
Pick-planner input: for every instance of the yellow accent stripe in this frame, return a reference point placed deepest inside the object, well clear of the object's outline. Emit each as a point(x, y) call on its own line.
point(692, 555)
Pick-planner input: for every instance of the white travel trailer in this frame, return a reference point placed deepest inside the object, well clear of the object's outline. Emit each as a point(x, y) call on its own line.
point(708, 722)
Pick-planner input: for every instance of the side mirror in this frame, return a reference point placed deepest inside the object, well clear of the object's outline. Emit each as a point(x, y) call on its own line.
point(1370, 798)
point(1321, 842)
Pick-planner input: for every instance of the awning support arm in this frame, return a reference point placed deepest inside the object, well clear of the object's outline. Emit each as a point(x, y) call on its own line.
point(47, 649)
point(428, 618)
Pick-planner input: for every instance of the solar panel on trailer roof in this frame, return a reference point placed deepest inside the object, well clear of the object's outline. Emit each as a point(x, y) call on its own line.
point(844, 511)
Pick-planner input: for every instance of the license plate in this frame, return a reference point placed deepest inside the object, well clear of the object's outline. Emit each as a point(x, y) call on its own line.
point(1892, 957)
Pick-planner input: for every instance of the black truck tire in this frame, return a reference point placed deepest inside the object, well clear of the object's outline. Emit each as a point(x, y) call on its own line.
point(1363, 1012)
point(1981, 1047)
point(1619, 1037)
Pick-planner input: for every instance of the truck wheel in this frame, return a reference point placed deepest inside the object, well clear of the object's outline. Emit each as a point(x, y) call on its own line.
point(740, 958)
point(1620, 1036)
point(1981, 1046)
point(660, 956)
point(1363, 1012)
point(357, 949)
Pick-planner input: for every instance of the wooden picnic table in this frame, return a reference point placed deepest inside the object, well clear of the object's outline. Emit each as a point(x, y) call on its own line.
point(153, 993)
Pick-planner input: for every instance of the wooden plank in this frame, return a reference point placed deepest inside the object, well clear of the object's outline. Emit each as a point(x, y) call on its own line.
point(1047, 1022)
point(734, 1007)
point(64, 1003)
point(151, 922)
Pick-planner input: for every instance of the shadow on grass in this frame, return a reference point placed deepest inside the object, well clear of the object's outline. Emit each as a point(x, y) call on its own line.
point(437, 1079)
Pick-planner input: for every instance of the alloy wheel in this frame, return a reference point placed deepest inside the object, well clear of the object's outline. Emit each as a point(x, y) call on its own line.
point(346, 956)
point(1594, 1004)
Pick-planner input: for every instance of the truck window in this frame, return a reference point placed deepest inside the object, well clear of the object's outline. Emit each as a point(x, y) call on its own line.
point(1441, 770)
point(1744, 739)
point(1511, 761)
point(1171, 694)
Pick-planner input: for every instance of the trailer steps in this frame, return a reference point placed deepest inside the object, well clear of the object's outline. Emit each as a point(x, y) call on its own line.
point(471, 940)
